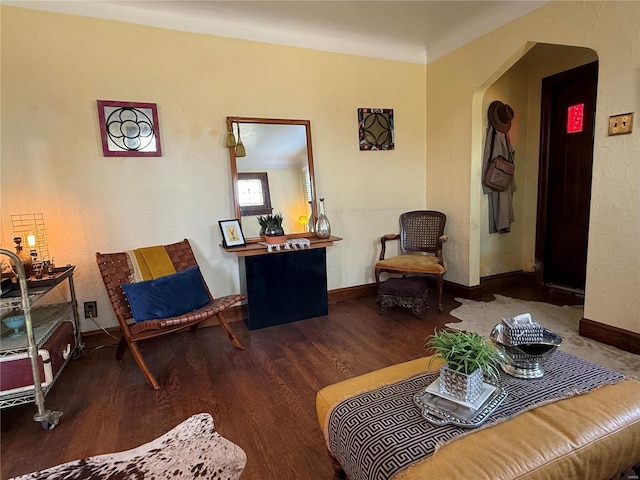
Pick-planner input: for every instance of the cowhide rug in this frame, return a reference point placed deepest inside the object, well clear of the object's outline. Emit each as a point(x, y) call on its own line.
point(480, 317)
point(191, 450)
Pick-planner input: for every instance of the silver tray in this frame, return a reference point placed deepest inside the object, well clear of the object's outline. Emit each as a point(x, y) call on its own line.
point(440, 411)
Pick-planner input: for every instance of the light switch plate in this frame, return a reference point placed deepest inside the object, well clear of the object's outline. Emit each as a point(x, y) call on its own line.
point(620, 124)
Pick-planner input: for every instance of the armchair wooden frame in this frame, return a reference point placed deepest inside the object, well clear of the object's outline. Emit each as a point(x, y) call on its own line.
point(421, 239)
point(116, 269)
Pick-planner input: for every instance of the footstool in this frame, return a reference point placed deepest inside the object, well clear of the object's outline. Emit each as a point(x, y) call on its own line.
point(407, 292)
point(595, 435)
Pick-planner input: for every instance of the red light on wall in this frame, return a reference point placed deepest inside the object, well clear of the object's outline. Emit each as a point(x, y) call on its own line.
point(575, 115)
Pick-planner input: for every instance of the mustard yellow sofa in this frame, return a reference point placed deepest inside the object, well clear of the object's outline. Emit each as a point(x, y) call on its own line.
point(590, 436)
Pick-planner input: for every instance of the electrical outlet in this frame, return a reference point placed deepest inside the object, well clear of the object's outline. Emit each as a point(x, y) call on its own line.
point(619, 124)
point(90, 310)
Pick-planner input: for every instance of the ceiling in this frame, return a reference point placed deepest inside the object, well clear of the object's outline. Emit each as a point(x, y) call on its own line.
point(409, 31)
point(271, 146)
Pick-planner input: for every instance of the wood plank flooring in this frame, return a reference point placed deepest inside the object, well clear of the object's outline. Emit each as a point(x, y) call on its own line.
point(262, 398)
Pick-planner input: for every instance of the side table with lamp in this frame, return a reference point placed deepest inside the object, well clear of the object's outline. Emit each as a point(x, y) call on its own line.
point(32, 356)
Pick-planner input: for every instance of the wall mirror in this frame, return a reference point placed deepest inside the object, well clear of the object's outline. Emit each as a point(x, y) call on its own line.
point(276, 174)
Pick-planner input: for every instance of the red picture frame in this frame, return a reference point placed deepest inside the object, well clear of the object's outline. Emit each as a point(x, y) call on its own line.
point(129, 129)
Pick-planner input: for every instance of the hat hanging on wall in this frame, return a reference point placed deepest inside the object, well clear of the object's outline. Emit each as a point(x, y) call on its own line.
point(500, 116)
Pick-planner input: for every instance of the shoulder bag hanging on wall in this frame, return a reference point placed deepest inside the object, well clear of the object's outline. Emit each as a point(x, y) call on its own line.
point(500, 170)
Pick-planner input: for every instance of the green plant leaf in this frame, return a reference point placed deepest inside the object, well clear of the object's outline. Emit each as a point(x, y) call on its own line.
point(464, 351)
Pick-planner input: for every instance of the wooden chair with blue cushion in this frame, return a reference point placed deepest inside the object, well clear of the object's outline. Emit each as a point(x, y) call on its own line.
point(421, 238)
point(159, 290)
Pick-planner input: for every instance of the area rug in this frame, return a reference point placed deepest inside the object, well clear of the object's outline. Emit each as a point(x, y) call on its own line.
point(480, 317)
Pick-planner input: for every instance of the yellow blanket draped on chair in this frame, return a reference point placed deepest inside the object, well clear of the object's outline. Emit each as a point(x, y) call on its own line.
point(149, 263)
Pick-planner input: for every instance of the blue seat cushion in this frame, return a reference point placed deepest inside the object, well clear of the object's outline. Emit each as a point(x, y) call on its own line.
point(167, 296)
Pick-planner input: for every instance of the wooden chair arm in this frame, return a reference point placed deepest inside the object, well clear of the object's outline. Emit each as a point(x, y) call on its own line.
point(390, 236)
point(441, 240)
point(383, 242)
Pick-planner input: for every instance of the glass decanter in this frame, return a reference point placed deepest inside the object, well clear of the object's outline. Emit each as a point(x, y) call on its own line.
point(323, 227)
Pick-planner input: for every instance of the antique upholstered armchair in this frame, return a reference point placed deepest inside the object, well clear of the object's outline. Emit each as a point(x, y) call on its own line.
point(421, 238)
point(159, 290)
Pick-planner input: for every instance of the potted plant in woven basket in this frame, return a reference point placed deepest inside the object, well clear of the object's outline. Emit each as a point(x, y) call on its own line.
point(271, 228)
point(469, 358)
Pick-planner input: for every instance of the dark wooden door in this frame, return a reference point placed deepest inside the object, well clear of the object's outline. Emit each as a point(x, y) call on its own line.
point(564, 188)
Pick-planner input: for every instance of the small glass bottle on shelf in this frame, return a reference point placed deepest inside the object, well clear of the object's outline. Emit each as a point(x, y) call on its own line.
point(25, 258)
point(323, 227)
point(311, 225)
point(51, 268)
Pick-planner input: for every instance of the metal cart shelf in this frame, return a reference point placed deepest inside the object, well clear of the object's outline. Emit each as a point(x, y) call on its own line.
point(40, 324)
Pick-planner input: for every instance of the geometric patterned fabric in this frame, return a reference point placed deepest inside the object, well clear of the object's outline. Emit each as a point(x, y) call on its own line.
point(376, 434)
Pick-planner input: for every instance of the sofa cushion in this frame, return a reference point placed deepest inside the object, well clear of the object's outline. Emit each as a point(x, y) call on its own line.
point(167, 296)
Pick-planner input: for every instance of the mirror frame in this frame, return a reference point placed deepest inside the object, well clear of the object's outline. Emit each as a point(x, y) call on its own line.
point(234, 166)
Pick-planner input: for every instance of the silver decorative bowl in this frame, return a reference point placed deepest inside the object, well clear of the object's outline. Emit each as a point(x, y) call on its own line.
point(526, 360)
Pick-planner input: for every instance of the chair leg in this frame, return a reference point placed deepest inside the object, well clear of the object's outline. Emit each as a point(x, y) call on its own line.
point(143, 366)
point(227, 328)
point(378, 299)
point(439, 279)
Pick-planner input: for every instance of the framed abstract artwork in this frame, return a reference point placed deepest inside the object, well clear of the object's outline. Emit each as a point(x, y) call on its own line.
point(129, 129)
point(375, 128)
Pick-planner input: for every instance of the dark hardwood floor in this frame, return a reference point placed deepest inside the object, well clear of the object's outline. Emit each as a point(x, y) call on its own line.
point(262, 398)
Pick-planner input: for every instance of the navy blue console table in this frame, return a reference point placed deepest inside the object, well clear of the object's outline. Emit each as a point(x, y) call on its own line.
point(284, 286)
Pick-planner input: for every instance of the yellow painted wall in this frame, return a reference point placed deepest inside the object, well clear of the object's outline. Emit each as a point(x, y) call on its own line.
point(456, 84)
point(55, 67)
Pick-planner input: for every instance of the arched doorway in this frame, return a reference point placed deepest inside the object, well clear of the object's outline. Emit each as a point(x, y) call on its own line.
point(520, 87)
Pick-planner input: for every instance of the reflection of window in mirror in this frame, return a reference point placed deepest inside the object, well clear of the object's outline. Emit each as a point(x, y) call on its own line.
point(307, 183)
point(253, 194)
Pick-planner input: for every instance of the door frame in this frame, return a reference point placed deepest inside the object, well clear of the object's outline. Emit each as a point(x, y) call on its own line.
point(543, 162)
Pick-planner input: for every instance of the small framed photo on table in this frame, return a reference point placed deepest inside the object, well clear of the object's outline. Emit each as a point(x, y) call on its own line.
point(231, 233)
